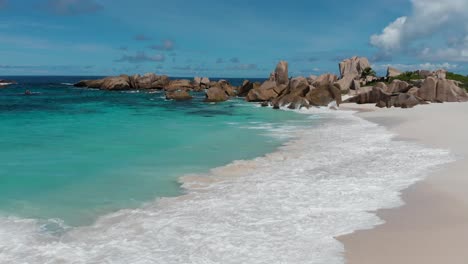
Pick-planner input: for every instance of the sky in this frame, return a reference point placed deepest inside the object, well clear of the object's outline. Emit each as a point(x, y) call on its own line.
point(242, 38)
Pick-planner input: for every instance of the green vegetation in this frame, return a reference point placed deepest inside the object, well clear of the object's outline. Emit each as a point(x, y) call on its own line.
point(368, 72)
point(406, 76)
point(459, 78)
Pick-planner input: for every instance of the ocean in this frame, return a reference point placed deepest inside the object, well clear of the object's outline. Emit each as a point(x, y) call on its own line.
point(89, 176)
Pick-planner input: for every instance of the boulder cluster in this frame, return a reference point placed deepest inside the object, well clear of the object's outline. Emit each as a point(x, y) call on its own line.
point(281, 91)
point(357, 81)
point(433, 87)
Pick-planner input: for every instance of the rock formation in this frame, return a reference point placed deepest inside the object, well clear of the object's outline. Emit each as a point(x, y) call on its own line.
point(271, 88)
point(125, 82)
point(245, 88)
point(354, 66)
point(179, 85)
point(441, 90)
point(179, 95)
point(5, 83)
point(392, 72)
point(216, 94)
point(352, 69)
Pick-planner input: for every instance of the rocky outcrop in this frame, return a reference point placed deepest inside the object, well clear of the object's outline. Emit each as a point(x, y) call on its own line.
point(175, 85)
point(5, 83)
point(220, 91)
point(216, 94)
point(268, 91)
point(351, 70)
point(225, 86)
point(440, 74)
point(324, 95)
point(246, 87)
point(124, 82)
point(354, 66)
point(149, 81)
point(393, 72)
point(346, 82)
point(281, 73)
point(179, 95)
point(441, 90)
point(397, 86)
point(271, 88)
point(325, 79)
point(383, 99)
point(200, 83)
point(301, 94)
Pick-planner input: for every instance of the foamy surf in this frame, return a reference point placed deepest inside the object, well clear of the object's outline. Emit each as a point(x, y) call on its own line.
point(285, 207)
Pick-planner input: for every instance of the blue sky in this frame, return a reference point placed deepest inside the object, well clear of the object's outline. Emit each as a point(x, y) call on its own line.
point(234, 39)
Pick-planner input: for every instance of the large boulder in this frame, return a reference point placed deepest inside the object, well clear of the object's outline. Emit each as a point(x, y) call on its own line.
point(392, 72)
point(246, 87)
point(448, 91)
point(428, 90)
point(346, 82)
point(121, 82)
point(325, 79)
point(324, 95)
point(373, 96)
point(440, 74)
point(281, 73)
point(216, 94)
point(200, 83)
point(398, 86)
point(179, 95)
point(354, 66)
point(294, 95)
point(149, 81)
point(266, 92)
point(175, 85)
point(226, 86)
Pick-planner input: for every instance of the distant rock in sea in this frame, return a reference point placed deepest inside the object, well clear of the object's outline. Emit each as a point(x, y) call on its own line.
point(5, 83)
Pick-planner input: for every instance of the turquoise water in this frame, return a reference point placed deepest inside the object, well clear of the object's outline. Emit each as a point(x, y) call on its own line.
point(75, 154)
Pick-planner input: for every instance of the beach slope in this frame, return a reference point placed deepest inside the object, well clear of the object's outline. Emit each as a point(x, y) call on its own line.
point(432, 227)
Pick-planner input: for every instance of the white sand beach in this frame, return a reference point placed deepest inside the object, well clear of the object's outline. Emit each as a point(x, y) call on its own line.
point(432, 226)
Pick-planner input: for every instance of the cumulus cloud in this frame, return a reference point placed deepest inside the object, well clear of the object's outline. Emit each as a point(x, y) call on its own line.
point(72, 7)
point(430, 19)
point(142, 57)
point(166, 45)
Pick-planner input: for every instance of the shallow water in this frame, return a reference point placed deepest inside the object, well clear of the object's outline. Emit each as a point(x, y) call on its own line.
point(325, 173)
point(74, 154)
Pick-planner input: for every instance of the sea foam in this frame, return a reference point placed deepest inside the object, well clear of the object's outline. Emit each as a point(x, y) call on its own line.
point(285, 207)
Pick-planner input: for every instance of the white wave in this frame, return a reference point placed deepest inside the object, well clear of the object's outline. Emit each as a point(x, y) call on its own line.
point(5, 83)
point(285, 207)
point(67, 84)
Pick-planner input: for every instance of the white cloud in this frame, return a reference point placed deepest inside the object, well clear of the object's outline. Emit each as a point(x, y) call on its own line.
point(391, 36)
point(414, 67)
point(430, 20)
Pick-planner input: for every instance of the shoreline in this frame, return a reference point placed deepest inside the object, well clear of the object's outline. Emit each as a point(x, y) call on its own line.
point(432, 225)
